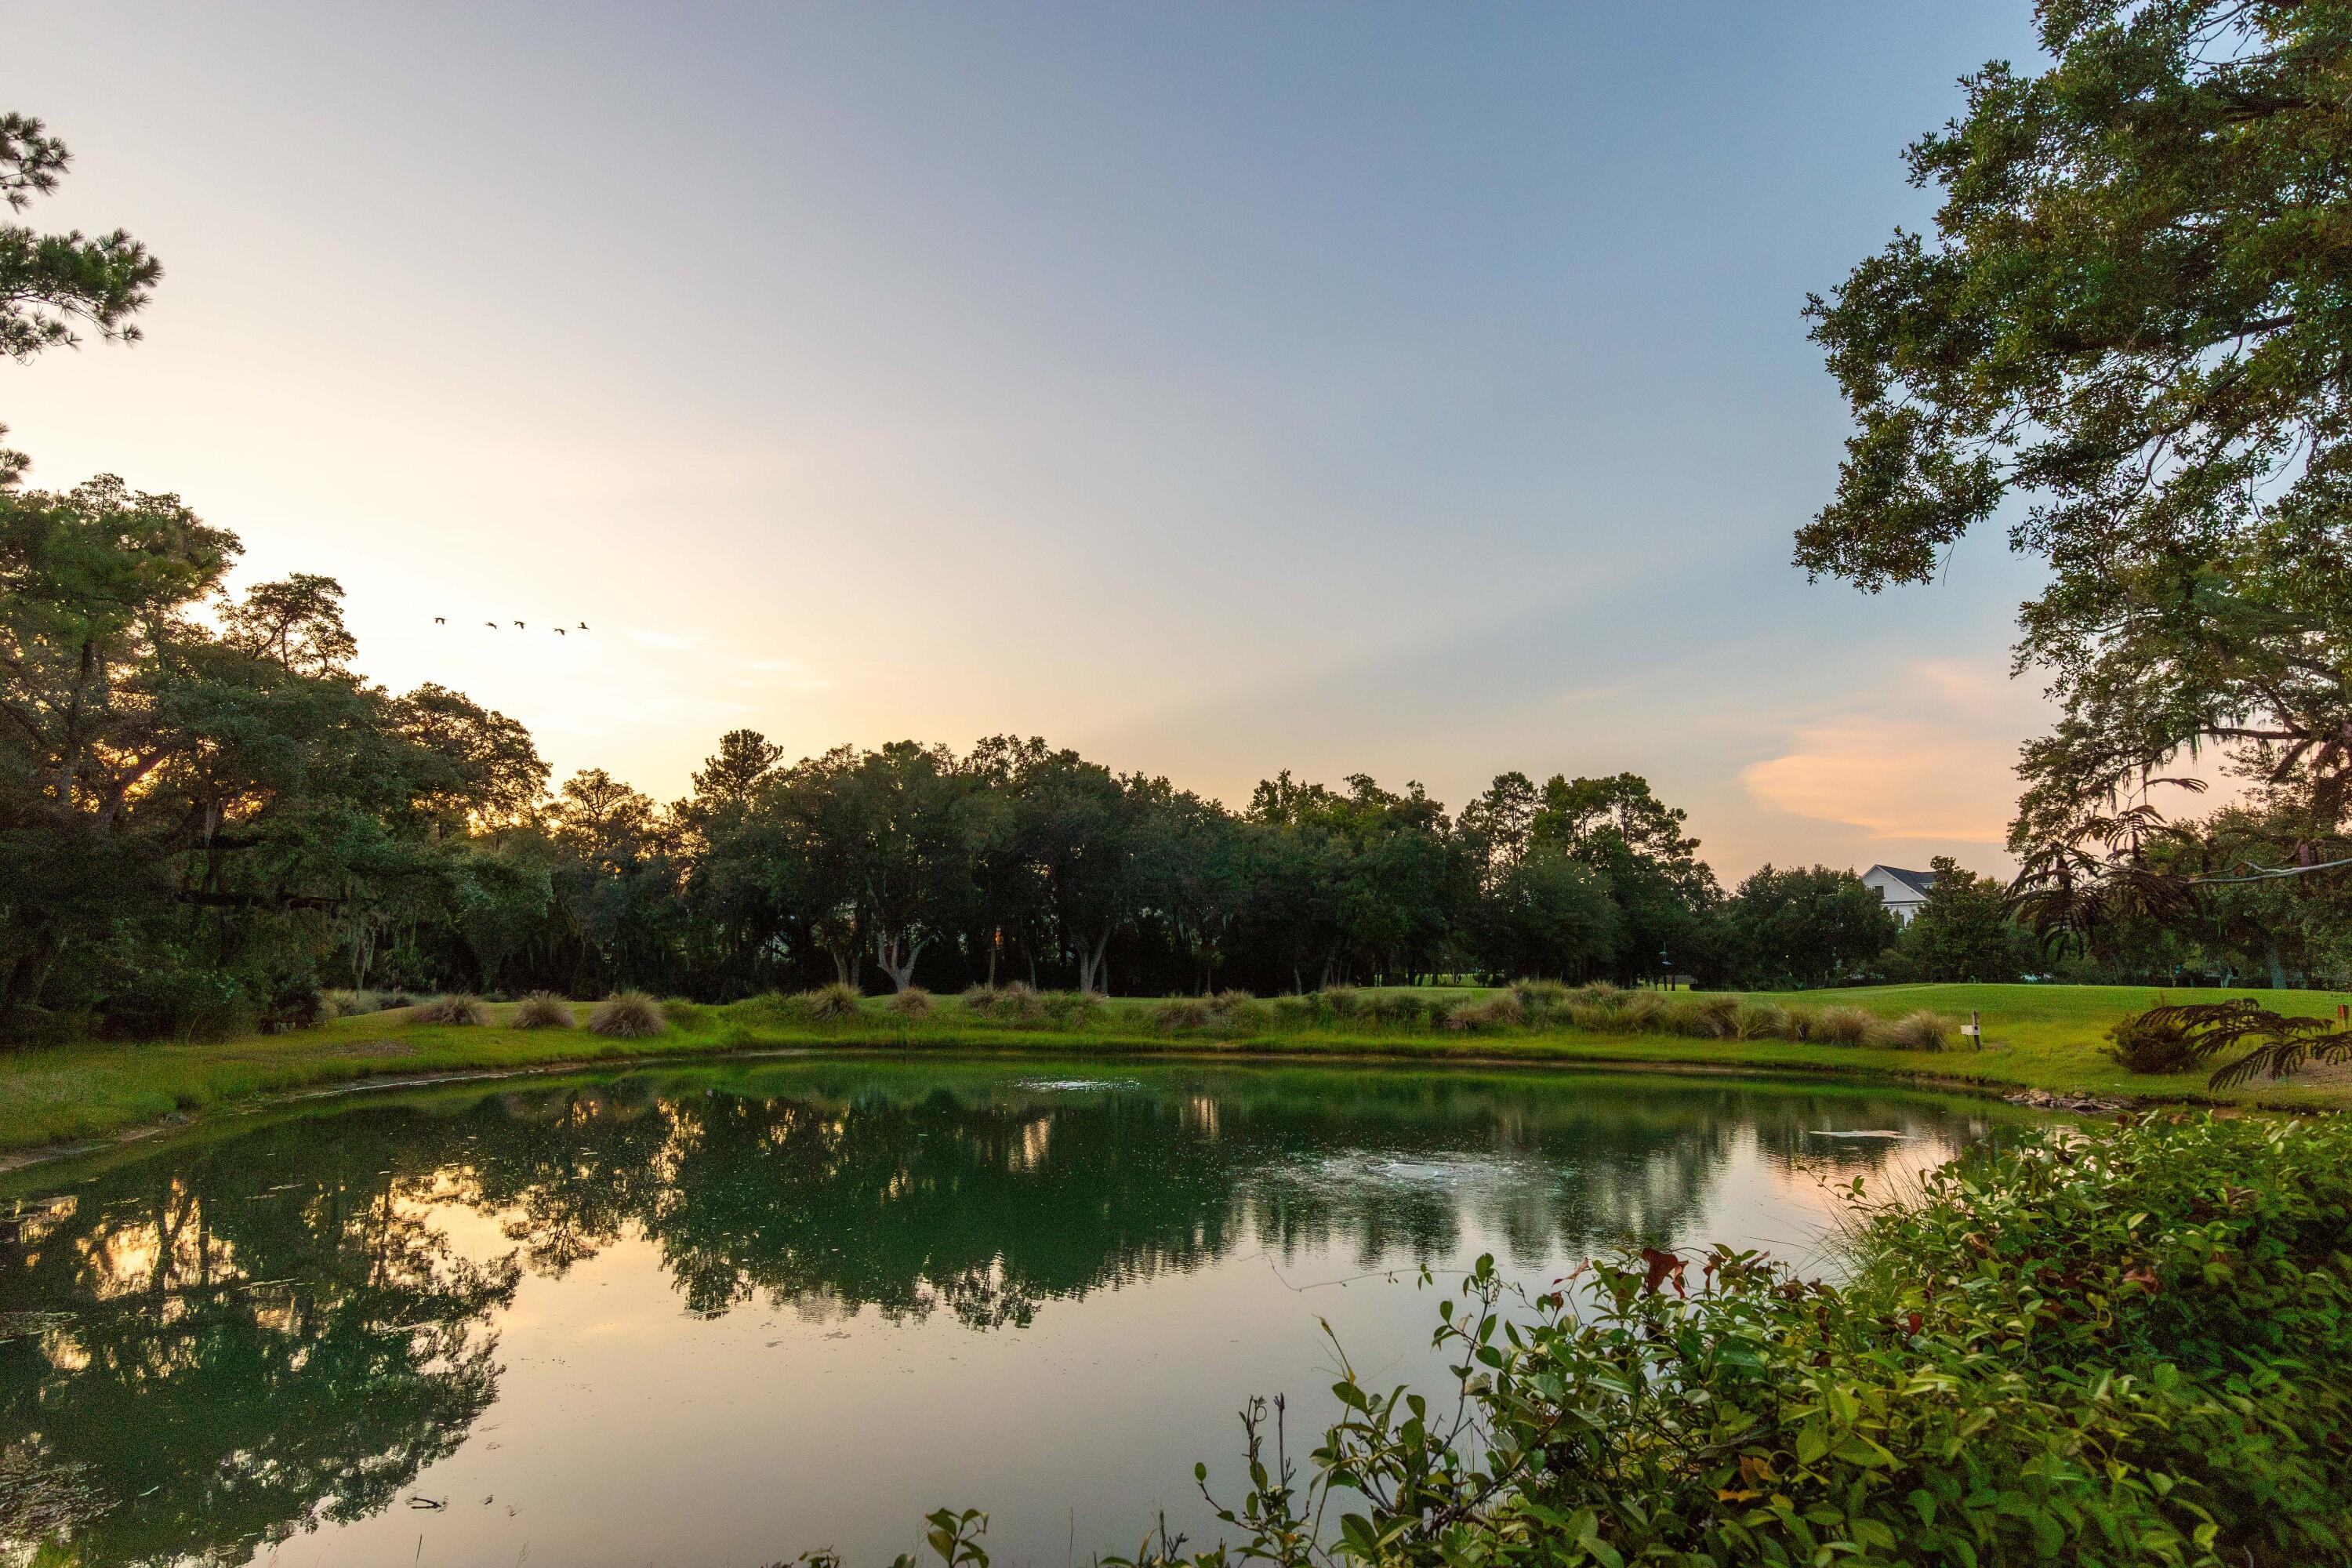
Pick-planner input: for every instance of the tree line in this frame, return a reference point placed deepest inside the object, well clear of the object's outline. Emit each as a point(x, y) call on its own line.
point(206, 818)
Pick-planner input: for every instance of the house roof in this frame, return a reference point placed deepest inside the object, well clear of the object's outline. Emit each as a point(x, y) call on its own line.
point(1917, 882)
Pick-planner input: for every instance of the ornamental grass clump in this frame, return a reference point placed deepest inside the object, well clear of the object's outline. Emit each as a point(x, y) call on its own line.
point(627, 1015)
point(1010, 1003)
point(463, 1007)
point(1340, 1003)
point(831, 1004)
point(1762, 1021)
point(1069, 1009)
point(1292, 1012)
point(914, 1002)
point(1605, 1016)
point(1226, 1012)
point(1487, 1015)
point(1642, 1010)
point(1922, 1031)
point(1179, 1015)
point(1241, 1012)
point(1541, 1000)
point(359, 1003)
point(1840, 1025)
point(1399, 1010)
point(1700, 1017)
point(541, 1010)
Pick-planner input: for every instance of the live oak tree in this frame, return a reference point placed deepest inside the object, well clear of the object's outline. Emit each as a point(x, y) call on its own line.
point(2132, 321)
point(1962, 930)
point(1808, 925)
point(1665, 893)
point(189, 813)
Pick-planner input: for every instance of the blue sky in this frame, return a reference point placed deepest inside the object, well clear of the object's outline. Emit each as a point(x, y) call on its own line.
point(1410, 390)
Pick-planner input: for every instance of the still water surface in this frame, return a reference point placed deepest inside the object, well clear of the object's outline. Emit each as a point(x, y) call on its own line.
point(725, 1315)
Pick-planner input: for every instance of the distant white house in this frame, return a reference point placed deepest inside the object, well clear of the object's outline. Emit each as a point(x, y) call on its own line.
point(1904, 891)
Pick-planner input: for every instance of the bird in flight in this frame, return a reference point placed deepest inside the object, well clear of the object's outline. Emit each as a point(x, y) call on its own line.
point(518, 626)
point(492, 625)
point(558, 631)
point(440, 620)
point(583, 626)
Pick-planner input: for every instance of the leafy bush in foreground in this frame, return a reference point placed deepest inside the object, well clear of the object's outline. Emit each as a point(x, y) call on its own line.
point(2131, 1346)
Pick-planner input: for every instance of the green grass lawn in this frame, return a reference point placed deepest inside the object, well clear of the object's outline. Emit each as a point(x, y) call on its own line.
point(2041, 1036)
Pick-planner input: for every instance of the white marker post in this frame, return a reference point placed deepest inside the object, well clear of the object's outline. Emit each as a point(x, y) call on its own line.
point(1974, 1028)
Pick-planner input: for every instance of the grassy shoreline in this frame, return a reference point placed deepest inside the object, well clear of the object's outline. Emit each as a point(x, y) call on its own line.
point(2046, 1037)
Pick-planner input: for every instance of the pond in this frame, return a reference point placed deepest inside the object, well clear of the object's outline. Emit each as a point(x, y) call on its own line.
point(725, 1315)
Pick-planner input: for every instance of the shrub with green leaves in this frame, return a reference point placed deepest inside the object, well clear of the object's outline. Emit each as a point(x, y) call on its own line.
point(2140, 1043)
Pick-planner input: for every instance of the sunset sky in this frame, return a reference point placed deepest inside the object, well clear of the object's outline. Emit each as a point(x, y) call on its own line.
point(1409, 390)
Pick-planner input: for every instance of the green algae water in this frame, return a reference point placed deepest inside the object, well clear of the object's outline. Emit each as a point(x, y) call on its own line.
point(729, 1314)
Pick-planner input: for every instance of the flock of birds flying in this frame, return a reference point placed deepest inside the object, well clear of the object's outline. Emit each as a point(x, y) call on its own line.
point(443, 620)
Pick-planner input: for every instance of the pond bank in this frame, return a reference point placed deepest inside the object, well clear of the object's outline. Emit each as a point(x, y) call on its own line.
point(70, 1096)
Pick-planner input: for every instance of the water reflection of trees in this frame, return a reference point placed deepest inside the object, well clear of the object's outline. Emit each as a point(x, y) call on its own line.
point(211, 1351)
point(216, 1347)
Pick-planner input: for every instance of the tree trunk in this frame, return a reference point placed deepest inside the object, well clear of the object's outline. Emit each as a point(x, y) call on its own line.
point(1092, 969)
point(897, 956)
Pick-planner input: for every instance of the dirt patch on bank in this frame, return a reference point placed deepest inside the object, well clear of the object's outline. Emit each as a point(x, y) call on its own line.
point(376, 1048)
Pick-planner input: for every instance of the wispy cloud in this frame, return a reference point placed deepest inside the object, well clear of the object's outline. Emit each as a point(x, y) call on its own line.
point(1933, 757)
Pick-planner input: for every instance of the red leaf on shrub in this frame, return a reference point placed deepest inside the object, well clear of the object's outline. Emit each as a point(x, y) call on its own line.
point(1663, 1266)
point(2141, 1275)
